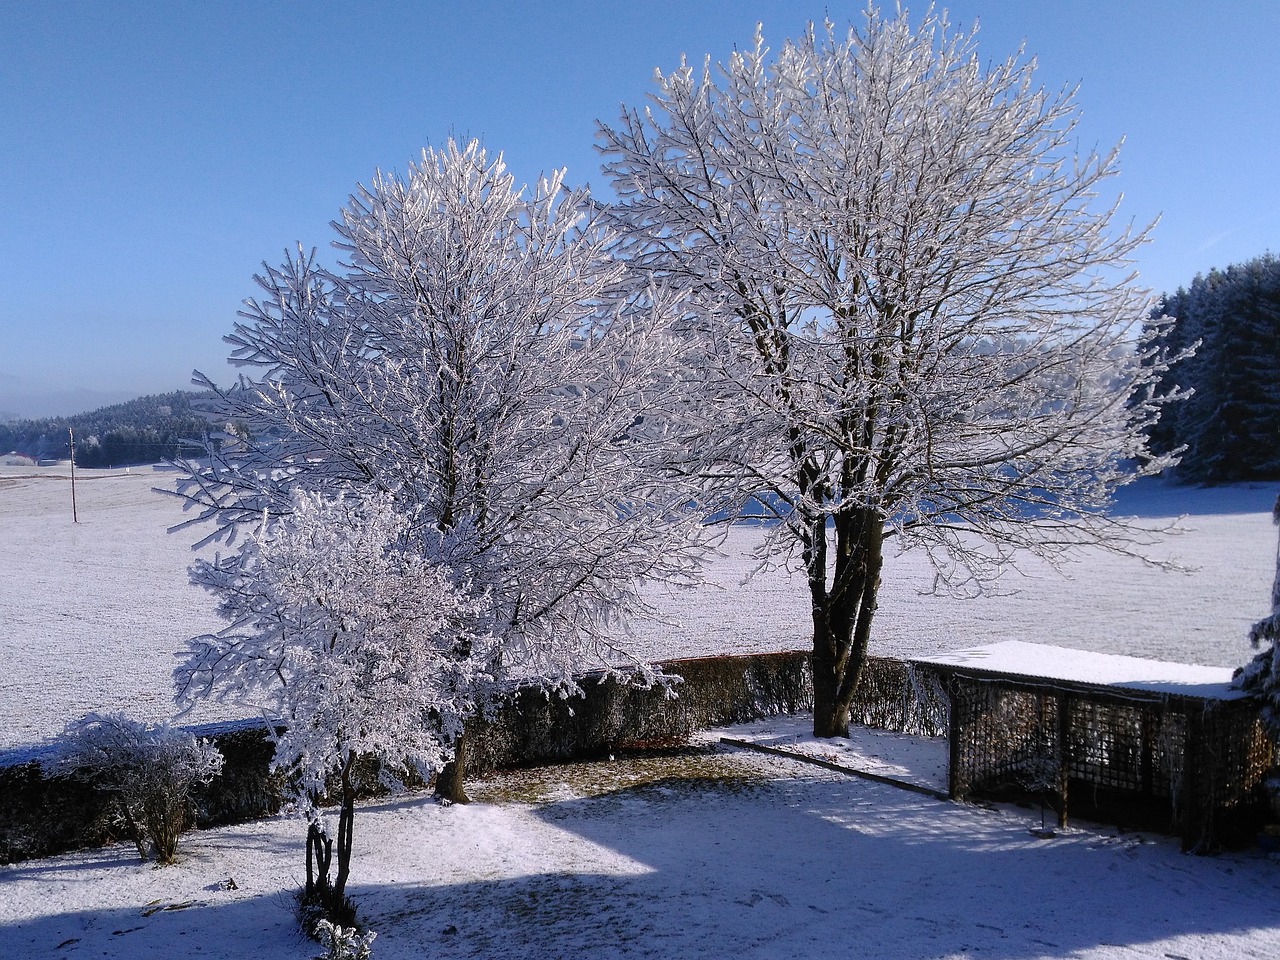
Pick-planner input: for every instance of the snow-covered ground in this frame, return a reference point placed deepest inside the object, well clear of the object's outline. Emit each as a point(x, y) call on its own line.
point(736, 854)
point(92, 613)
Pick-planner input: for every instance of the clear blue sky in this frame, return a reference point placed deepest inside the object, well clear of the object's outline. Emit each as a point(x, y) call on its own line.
point(153, 154)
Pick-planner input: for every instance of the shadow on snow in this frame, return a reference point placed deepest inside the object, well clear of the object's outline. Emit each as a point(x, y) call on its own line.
point(808, 865)
point(826, 868)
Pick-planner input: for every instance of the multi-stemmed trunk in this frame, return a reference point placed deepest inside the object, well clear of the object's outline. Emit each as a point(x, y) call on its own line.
point(346, 820)
point(843, 607)
point(330, 895)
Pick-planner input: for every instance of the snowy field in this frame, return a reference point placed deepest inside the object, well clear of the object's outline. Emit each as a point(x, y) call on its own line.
point(732, 855)
point(92, 613)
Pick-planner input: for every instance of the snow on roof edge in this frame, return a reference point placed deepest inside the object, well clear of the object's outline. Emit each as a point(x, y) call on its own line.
point(1039, 661)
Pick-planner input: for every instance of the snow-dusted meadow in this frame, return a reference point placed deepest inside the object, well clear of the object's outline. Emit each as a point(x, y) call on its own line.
point(733, 854)
point(92, 613)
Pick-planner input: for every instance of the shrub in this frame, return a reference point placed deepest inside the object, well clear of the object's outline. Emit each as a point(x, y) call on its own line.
point(148, 769)
point(343, 943)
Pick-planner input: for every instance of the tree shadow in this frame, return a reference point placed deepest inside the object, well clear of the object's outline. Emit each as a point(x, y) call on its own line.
point(261, 927)
point(808, 864)
point(1154, 498)
point(826, 867)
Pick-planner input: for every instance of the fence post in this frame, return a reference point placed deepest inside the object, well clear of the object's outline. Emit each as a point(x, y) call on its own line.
point(1064, 757)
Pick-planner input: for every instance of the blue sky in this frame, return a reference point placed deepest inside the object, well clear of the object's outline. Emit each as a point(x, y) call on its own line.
point(153, 154)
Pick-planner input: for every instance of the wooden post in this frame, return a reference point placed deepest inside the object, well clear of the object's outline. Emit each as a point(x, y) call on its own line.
point(75, 517)
point(1192, 817)
point(1064, 757)
point(955, 730)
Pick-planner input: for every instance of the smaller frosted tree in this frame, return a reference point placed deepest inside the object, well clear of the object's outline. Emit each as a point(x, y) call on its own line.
point(1261, 676)
point(349, 631)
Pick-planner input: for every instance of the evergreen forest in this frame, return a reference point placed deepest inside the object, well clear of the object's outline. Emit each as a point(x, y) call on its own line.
point(150, 429)
point(1230, 422)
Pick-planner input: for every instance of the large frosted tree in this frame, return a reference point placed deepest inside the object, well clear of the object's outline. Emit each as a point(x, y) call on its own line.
point(919, 320)
point(485, 366)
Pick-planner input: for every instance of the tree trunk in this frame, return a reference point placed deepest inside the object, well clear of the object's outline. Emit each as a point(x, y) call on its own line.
point(830, 717)
point(842, 615)
point(319, 855)
point(346, 822)
point(449, 781)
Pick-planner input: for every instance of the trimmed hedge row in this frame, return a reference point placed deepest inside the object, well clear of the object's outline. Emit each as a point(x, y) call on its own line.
point(611, 715)
point(40, 817)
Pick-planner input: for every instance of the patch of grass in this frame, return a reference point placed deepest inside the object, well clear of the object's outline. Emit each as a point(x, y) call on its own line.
point(654, 773)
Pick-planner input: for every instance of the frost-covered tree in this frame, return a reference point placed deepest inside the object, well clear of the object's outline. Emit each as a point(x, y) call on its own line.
point(919, 321)
point(1261, 675)
point(347, 627)
point(484, 361)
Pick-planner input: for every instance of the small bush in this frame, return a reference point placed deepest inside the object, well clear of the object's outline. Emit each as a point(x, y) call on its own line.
point(148, 769)
point(343, 943)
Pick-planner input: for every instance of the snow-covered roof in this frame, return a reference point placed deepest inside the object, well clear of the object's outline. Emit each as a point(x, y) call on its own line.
point(1043, 662)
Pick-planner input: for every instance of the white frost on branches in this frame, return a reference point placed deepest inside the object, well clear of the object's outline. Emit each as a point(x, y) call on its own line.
point(345, 627)
point(913, 291)
point(918, 319)
point(149, 769)
point(483, 369)
point(344, 943)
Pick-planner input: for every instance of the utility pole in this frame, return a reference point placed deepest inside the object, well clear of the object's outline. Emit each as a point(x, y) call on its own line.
point(75, 518)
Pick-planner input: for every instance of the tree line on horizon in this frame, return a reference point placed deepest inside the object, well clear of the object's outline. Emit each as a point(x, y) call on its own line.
point(150, 429)
point(1230, 422)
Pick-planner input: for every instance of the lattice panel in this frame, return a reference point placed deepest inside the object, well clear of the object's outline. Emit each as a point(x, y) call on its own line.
point(895, 695)
point(1006, 738)
point(1199, 761)
point(1129, 746)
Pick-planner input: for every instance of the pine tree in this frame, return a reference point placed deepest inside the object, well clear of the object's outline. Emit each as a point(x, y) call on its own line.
point(1230, 422)
point(1261, 676)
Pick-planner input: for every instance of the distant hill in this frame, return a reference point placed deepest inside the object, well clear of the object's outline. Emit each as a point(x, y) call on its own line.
point(146, 430)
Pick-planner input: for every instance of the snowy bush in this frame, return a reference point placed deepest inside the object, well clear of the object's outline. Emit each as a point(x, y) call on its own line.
point(149, 769)
point(344, 943)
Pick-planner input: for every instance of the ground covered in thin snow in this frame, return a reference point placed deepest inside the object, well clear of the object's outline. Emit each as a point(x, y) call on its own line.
point(92, 613)
point(729, 854)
